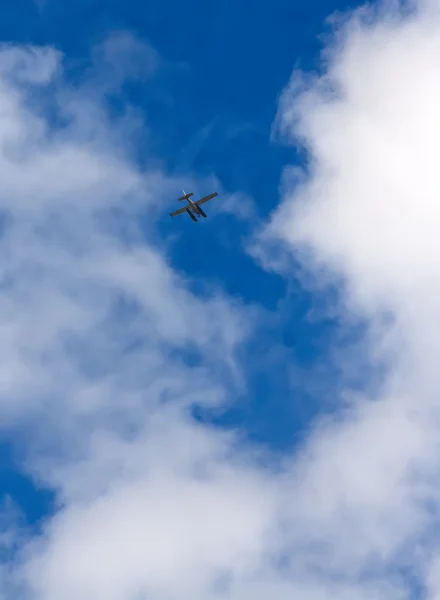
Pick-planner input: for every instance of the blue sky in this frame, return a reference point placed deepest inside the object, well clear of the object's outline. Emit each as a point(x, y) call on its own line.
point(178, 411)
point(210, 109)
point(226, 65)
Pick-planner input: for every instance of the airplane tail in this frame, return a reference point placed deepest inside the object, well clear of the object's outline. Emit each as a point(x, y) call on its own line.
point(185, 196)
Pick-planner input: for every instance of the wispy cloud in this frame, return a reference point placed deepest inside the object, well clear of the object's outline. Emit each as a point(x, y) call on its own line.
point(91, 318)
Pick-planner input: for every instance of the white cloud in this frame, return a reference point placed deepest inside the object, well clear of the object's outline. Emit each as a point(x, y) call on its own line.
point(170, 526)
point(366, 214)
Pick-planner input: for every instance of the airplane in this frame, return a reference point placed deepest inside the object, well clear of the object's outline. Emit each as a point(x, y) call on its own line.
point(193, 208)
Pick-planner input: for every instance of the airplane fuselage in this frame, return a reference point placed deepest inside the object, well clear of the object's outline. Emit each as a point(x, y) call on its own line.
point(193, 206)
point(196, 209)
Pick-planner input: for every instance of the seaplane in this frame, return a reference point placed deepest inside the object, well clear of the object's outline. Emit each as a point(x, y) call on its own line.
point(193, 208)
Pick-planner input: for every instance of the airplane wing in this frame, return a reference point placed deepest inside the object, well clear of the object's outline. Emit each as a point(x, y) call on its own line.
point(178, 212)
point(206, 198)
